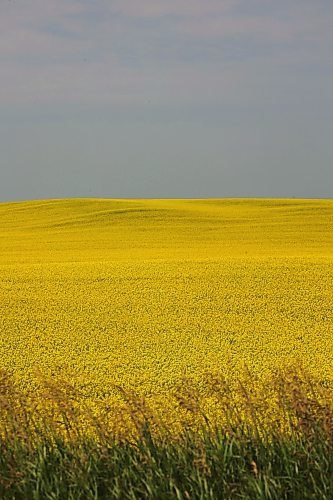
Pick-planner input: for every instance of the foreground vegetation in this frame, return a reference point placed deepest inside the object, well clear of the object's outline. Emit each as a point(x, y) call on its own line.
point(238, 458)
point(213, 467)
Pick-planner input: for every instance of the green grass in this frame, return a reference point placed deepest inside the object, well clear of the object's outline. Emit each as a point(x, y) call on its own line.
point(206, 468)
point(240, 461)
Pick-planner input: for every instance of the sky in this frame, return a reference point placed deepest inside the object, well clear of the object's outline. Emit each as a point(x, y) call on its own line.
point(166, 98)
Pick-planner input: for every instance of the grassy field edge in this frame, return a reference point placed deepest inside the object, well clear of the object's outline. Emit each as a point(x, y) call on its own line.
point(240, 459)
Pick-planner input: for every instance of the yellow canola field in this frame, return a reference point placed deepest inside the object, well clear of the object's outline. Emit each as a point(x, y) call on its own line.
point(142, 293)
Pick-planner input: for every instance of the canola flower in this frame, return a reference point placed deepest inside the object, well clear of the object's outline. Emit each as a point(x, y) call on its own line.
point(140, 294)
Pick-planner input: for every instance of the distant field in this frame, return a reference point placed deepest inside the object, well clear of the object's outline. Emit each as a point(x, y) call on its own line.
point(141, 293)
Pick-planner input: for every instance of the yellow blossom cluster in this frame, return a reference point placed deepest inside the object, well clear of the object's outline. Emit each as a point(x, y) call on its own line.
point(141, 294)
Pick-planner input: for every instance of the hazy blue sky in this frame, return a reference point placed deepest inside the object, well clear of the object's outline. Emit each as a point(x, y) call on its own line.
point(166, 98)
